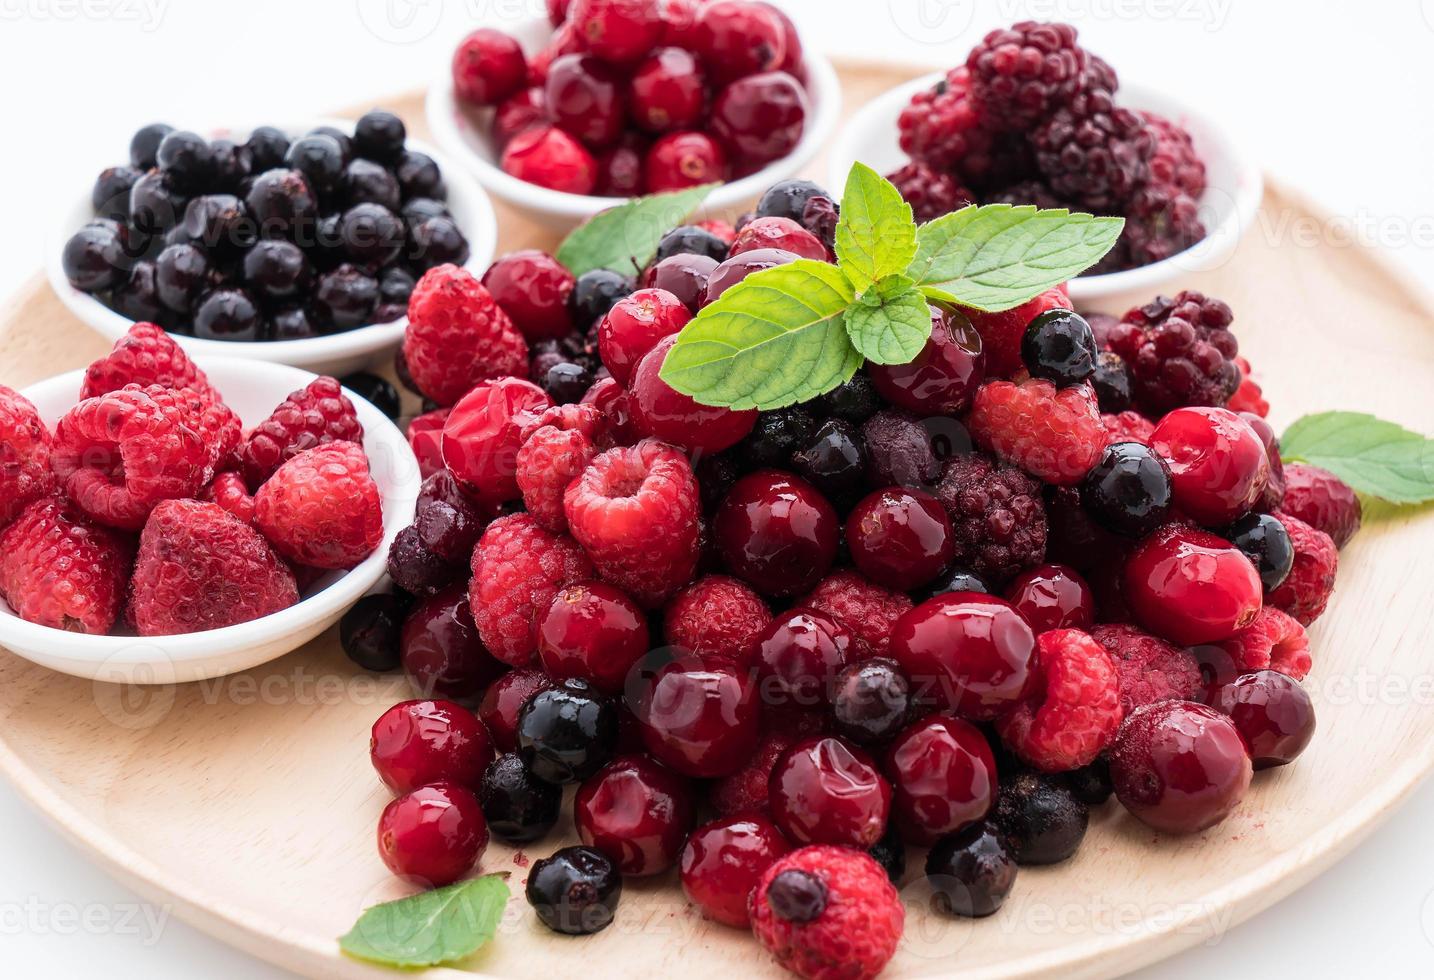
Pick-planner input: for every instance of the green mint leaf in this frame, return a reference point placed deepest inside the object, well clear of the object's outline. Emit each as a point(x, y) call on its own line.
point(432, 927)
point(890, 322)
point(774, 339)
point(624, 239)
point(995, 257)
point(1373, 456)
point(876, 234)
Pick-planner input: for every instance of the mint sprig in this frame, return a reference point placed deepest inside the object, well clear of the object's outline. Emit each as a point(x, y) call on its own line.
point(625, 238)
point(1375, 457)
point(432, 927)
point(787, 334)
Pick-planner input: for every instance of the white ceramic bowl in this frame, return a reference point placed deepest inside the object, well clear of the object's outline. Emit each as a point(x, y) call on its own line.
point(336, 354)
point(1228, 206)
point(252, 389)
point(463, 133)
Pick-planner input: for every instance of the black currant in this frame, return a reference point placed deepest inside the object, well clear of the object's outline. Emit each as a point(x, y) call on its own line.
point(1266, 542)
point(788, 199)
point(378, 392)
point(594, 294)
point(576, 891)
point(871, 700)
point(1111, 381)
point(1128, 491)
point(1059, 346)
point(970, 872)
point(519, 807)
point(567, 733)
point(691, 240)
point(369, 632)
point(1042, 820)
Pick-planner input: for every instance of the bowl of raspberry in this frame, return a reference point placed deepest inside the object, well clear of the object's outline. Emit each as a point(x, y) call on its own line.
point(171, 520)
point(610, 99)
point(294, 244)
point(1077, 137)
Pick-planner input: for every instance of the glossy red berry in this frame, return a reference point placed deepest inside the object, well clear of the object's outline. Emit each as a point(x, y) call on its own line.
point(943, 778)
point(778, 232)
point(532, 287)
point(634, 326)
point(440, 649)
point(828, 791)
point(739, 267)
point(483, 433)
point(503, 700)
point(419, 742)
point(488, 67)
point(1053, 597)
point(797, 658)
point(669, 415)
point(620, 167)
point(668, 91)
point(527, 107)
point(1218, 465)
point(1189, 586)
point(699, 716)
point(760, 118)
point(737, 38)
point(434, 834)
point(636, 812)
point(683, 275)
point(617, 30)
point(723, 861)
point(968, 652)
point(1272, 712)
point(942, 378)
point(900, 538)
point(594, 632)
point(777, 532)
point(549, 157)
point(586, 98)
point(684, 159)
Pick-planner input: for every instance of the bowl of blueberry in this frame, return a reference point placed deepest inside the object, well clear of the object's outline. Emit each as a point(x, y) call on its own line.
point(292, 244)
point(607, 100)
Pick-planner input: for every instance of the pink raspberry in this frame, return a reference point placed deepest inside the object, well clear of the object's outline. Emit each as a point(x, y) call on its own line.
point(1127, 427)
point(557, 446)
point(518, 568)
point(1275, 640)
point(1323, 501)
point(25, 445)
point(1001, 333)
point(1150, 669)
point(637, 511)
point(1079, 711)
point(1052, 433)
point(746, 790)
point(458, 336)
point(316, 414)
point(218, 427)
point(1305, 591)
point(322, 507)
point(484, 431)
point(59, 569)
point(716, 615)
point(229, 491)
point(146, 355)
point(862, 606)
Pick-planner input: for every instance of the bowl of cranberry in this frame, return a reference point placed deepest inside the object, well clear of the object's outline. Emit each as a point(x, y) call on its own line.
point(293, 244)
point(631, 97)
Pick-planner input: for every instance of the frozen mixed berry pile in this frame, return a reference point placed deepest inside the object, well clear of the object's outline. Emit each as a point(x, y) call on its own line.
point(149, 509)
point(639, 96)
point(1034, 118)
point(948, 608)
point(269, 239)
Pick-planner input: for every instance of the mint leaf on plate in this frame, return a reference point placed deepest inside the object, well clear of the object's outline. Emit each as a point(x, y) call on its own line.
point(996, 256)
point(432, 927)
point(625, 238)
point(876, 234)
point(774, 339)
point(1373, 456)
point(890, 322)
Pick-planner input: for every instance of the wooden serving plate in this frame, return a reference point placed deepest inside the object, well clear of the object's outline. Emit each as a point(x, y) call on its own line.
point(248, 803)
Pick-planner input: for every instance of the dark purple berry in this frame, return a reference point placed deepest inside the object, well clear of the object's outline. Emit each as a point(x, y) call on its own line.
point(1058, 345)
point(369, 632)
point(379, 135)
point(110, 195)
point(797, 896)
point(378, 392)
point(970, 872)
point(227, 314)
point(320, 159)
point(1041, 819)
point(346, 297)
point(144, 146)
point(519, 807)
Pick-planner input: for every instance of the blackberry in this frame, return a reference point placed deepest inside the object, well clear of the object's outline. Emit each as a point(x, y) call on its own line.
point(899, 452)
point(369, 632)
point(1111, 382)
point(1180, 352)
point(519, 807)
point(942, 128)
point(1027, 192)
point(931, 193)
point(1020, 74)
point(789, 199)
point(970, 872)
point(1173, 161)
point(690, 240)
point(1160, 221)
point(1129, 490)
point(1266, 542)
point(997, 516)
point(775, 437)
point(1041, 819)
point(1094, 153)
point(1058, 345)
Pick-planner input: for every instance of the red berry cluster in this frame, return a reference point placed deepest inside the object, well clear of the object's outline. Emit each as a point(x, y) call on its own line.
point(640, 96)
point(149, 508)
point(1031, 118)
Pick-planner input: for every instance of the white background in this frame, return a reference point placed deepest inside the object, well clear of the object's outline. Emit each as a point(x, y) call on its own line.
point(1337, 101)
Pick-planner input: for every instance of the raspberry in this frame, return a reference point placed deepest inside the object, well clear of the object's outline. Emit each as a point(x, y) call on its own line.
point(229, 491)
point(144, 356)
point(636, 510)
point(25, 446)
point(1021, 74)
point(200, 568)
point(560, 445)
point(1150, 669)
point(1161, 221)
point(219, 429)
point(322, 508)
point(1275, 640)
point(1127, 427)
point(458, 336)
point(1323, 501)
point(121, 453)
point(828, 913)
point(1179, 351)
point(1092, 152)
point(425, 438)
point(998, 519)
point(941, 128)
point(1001, 333)
point(59, 569)
point(1305, 591)
point(484, 432)
point(1174, 162)
point(309, 417)
point(1079, 710)
point(745, 791)
point(931, 193)
point(715, 615)
point(1052, 433)
point(518, 569)
point(862, 606)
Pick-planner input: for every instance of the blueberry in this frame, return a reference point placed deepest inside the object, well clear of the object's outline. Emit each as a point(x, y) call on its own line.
point(690, 239)
point(187, 158)
point(955, 580)
point(567, 733)
point(776, 436)
point(1266, 542)
point(519, 807)
point(1042, 820)
point(227, 314)
point(594, 294)
point(379, 135)
point(788, 199)
point(854, 401)
point(970, 872)
point(369, 632)
point(1059, 346)
point(1111, 382)
point(566, 382)
point(320, 159)
point(834, 459)
point(1128, 491)
point(418, 176)
point(367, 182)
point(576, 891)
point(276, 270)
point(144, 145)
point(890, 853)
point(110, 195)
point(345, 297)
point(267, 145)
point(378, 392)
point(181, 275)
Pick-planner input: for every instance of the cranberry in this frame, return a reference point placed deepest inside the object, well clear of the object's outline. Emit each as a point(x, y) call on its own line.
point(684, 275)
point(419, 742)
point(440, 649)
point(684, 159)
point(699, 716)
point(617, 30)
point(942, 379)
point(777, 532)
point(1190, 586)
point(900, 538)
point(518, 112)
point(1053, 597)
point(943, 778)
point(636, 812)
point(1179, 767)
point(827, 791)
point(549, 157)
point(760, 118)
point(1272, 712)
point(667, 91)
point(661, 411)
point(792, 61)
point(585, 98)
point(737, 38)
point(871, 700)
point(483, 433)
point(620, 167)
point(723, 861)
point(969, 652)
point(488, 67)
point(435, 834)
point(634, 326)
point(593, 632)
point(739, 267)
point(565, 40)
point(532, 287)
point(797, 657)
point(782, 233)
point(1218, 465)
point(558, 12)
point(504, 699)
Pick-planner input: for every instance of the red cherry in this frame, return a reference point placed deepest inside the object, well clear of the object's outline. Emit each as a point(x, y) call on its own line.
point(760, 118)
point(440, 649)
point(739, 267)
point(673, 417)
point(1273, 714)
point(943, 778)
point(488, 67)
point(737, 38)
point(617, 30)
point(828, 791)
point(483, 433)
point(699, 717)
point(782, 233)
point(723, 861)
point(798, 656)
point(532, 287)
point(1053, 597)
point(435, 834)
point(1190, 586)
point(585, 98)
point(777, 532)
point(419, 742)
point(636, 812)
point(634, 326)
point(900, 538)
point(549, 157)
point(668, 91)
point(517, 112)
point(969, 652)
point(1218, 465)
point(942, 379)
point(593, 632)
point(684, 159)
point(504, 699)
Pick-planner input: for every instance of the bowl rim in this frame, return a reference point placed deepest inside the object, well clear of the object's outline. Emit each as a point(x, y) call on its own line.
point(369, 338)
point(1209, 253)
point(182, 652)
point(440, 107)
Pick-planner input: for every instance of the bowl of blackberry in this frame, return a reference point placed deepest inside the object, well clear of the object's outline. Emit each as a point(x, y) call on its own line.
point(297, 245)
